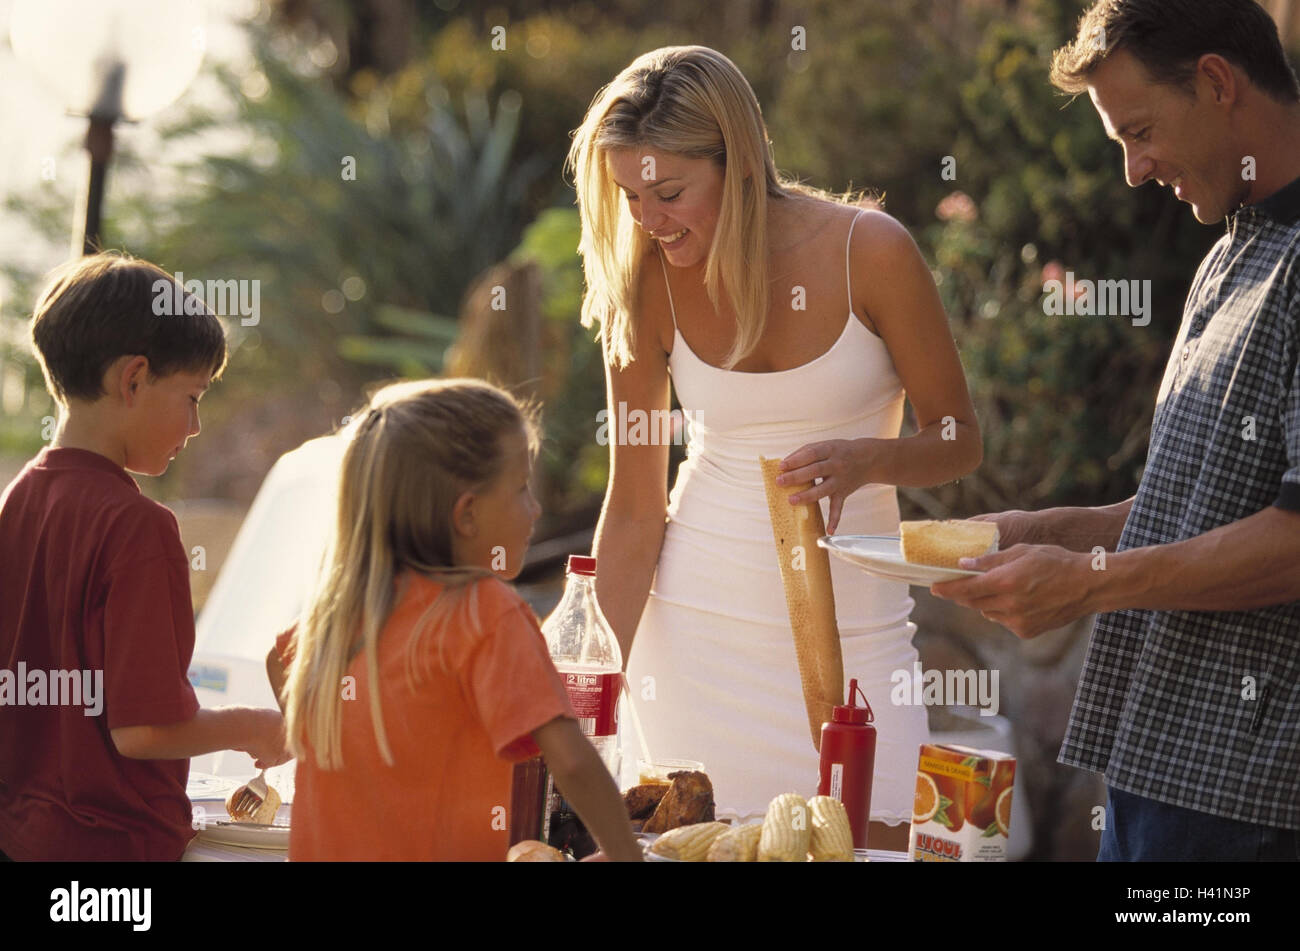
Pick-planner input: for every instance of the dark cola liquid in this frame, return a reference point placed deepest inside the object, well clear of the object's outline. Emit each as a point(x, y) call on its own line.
point(566, 831)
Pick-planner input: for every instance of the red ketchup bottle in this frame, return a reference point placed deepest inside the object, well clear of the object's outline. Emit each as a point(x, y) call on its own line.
point(849, 760)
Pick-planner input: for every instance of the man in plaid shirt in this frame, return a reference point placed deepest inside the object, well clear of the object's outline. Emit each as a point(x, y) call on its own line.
point(1189, 700)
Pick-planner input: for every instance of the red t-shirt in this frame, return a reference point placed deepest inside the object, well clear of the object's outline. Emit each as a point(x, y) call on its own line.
point(93, 579)
point(453, 738)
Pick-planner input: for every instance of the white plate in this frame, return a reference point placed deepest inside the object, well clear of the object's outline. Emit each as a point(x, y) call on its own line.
point(860, 855)
point(205, 786)
point(647, 839)
point(220, 830)
point(877, 855)
point(882, 555)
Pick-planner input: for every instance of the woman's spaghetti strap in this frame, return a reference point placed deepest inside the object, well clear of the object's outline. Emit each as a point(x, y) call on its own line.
point(848, 276)
point(670, 289)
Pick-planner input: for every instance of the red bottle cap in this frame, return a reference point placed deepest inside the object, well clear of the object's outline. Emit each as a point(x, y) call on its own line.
point(582, 565)
point(850, 713)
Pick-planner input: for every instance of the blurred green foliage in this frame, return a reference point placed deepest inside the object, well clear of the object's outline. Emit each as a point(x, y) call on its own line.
point(573, 381)
point(1065, 402)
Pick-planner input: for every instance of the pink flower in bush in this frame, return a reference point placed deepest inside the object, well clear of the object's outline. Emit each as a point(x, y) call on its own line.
point(957, 206)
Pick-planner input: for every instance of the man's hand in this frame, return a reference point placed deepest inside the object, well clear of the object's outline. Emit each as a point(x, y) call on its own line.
point(1014, 527)
point(1028, 589)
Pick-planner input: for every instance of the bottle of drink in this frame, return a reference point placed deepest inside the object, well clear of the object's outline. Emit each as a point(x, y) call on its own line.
point(848, 761)
point(528, 801)
point(590, 662)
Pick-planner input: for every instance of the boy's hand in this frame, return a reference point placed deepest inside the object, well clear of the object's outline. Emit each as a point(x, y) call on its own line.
point(266, 741)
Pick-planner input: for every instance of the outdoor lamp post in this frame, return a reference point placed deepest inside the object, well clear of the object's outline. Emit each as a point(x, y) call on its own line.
point(109, 60)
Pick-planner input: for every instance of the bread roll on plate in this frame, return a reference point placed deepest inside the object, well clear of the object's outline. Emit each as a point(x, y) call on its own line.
point(530, 850)
point(941, 544)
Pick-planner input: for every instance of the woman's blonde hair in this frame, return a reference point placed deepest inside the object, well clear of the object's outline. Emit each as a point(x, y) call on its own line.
point(690, 101)
point(414, 449)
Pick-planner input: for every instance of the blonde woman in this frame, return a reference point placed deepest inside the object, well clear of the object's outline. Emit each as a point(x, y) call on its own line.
point(790, 324)
point(417, 675)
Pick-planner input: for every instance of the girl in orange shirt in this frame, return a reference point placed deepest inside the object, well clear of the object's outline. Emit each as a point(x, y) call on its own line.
point(418, 676)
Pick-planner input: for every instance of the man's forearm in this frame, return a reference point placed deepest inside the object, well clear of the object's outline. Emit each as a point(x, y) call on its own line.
point(1081, 529)
point(1248, 564)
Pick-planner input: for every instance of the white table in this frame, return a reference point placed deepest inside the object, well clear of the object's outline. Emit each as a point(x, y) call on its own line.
point(201, 851)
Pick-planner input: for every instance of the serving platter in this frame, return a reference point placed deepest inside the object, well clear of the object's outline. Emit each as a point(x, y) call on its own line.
point(221, 830)
point(859, 855)
point(882, 556)
point(647, 839)
point(202, 787)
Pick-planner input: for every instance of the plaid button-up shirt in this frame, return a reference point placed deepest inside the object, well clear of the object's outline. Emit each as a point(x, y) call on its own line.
point(1201, 709)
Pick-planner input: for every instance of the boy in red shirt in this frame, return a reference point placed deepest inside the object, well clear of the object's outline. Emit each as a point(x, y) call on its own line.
point(97, 716)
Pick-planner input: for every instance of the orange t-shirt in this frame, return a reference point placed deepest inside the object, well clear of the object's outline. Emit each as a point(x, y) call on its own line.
point(453, 740)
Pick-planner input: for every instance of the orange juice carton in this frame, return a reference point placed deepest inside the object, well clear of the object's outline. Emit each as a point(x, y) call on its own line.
point(962, 810)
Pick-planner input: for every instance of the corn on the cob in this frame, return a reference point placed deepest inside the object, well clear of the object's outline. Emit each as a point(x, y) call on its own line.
point(832, 839)
point(737, 845)
point(688, 843)
point(786, 833)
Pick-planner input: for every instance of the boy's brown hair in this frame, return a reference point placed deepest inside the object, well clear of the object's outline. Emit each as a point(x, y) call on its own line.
point(103, 306)
point(1168, 37)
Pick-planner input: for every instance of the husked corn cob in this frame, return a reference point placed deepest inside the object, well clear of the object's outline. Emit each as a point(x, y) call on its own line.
point(688, 843)
point(786, 833)
point(832, 839)
point(737, 845)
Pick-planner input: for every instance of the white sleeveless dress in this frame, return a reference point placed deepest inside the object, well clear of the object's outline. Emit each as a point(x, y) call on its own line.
point(714, 647)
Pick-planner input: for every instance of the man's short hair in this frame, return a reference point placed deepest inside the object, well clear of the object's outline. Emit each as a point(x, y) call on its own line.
point(1168, 37)
point(98, 308)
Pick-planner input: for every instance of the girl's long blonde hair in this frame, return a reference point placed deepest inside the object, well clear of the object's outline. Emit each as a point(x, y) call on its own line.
point(411, 452)
point(690, 101)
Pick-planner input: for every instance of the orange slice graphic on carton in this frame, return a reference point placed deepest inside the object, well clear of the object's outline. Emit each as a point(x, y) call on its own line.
point(1003, 812)
point(926, 803)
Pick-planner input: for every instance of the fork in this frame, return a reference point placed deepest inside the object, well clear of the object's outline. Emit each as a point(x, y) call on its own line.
point(252, 796)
